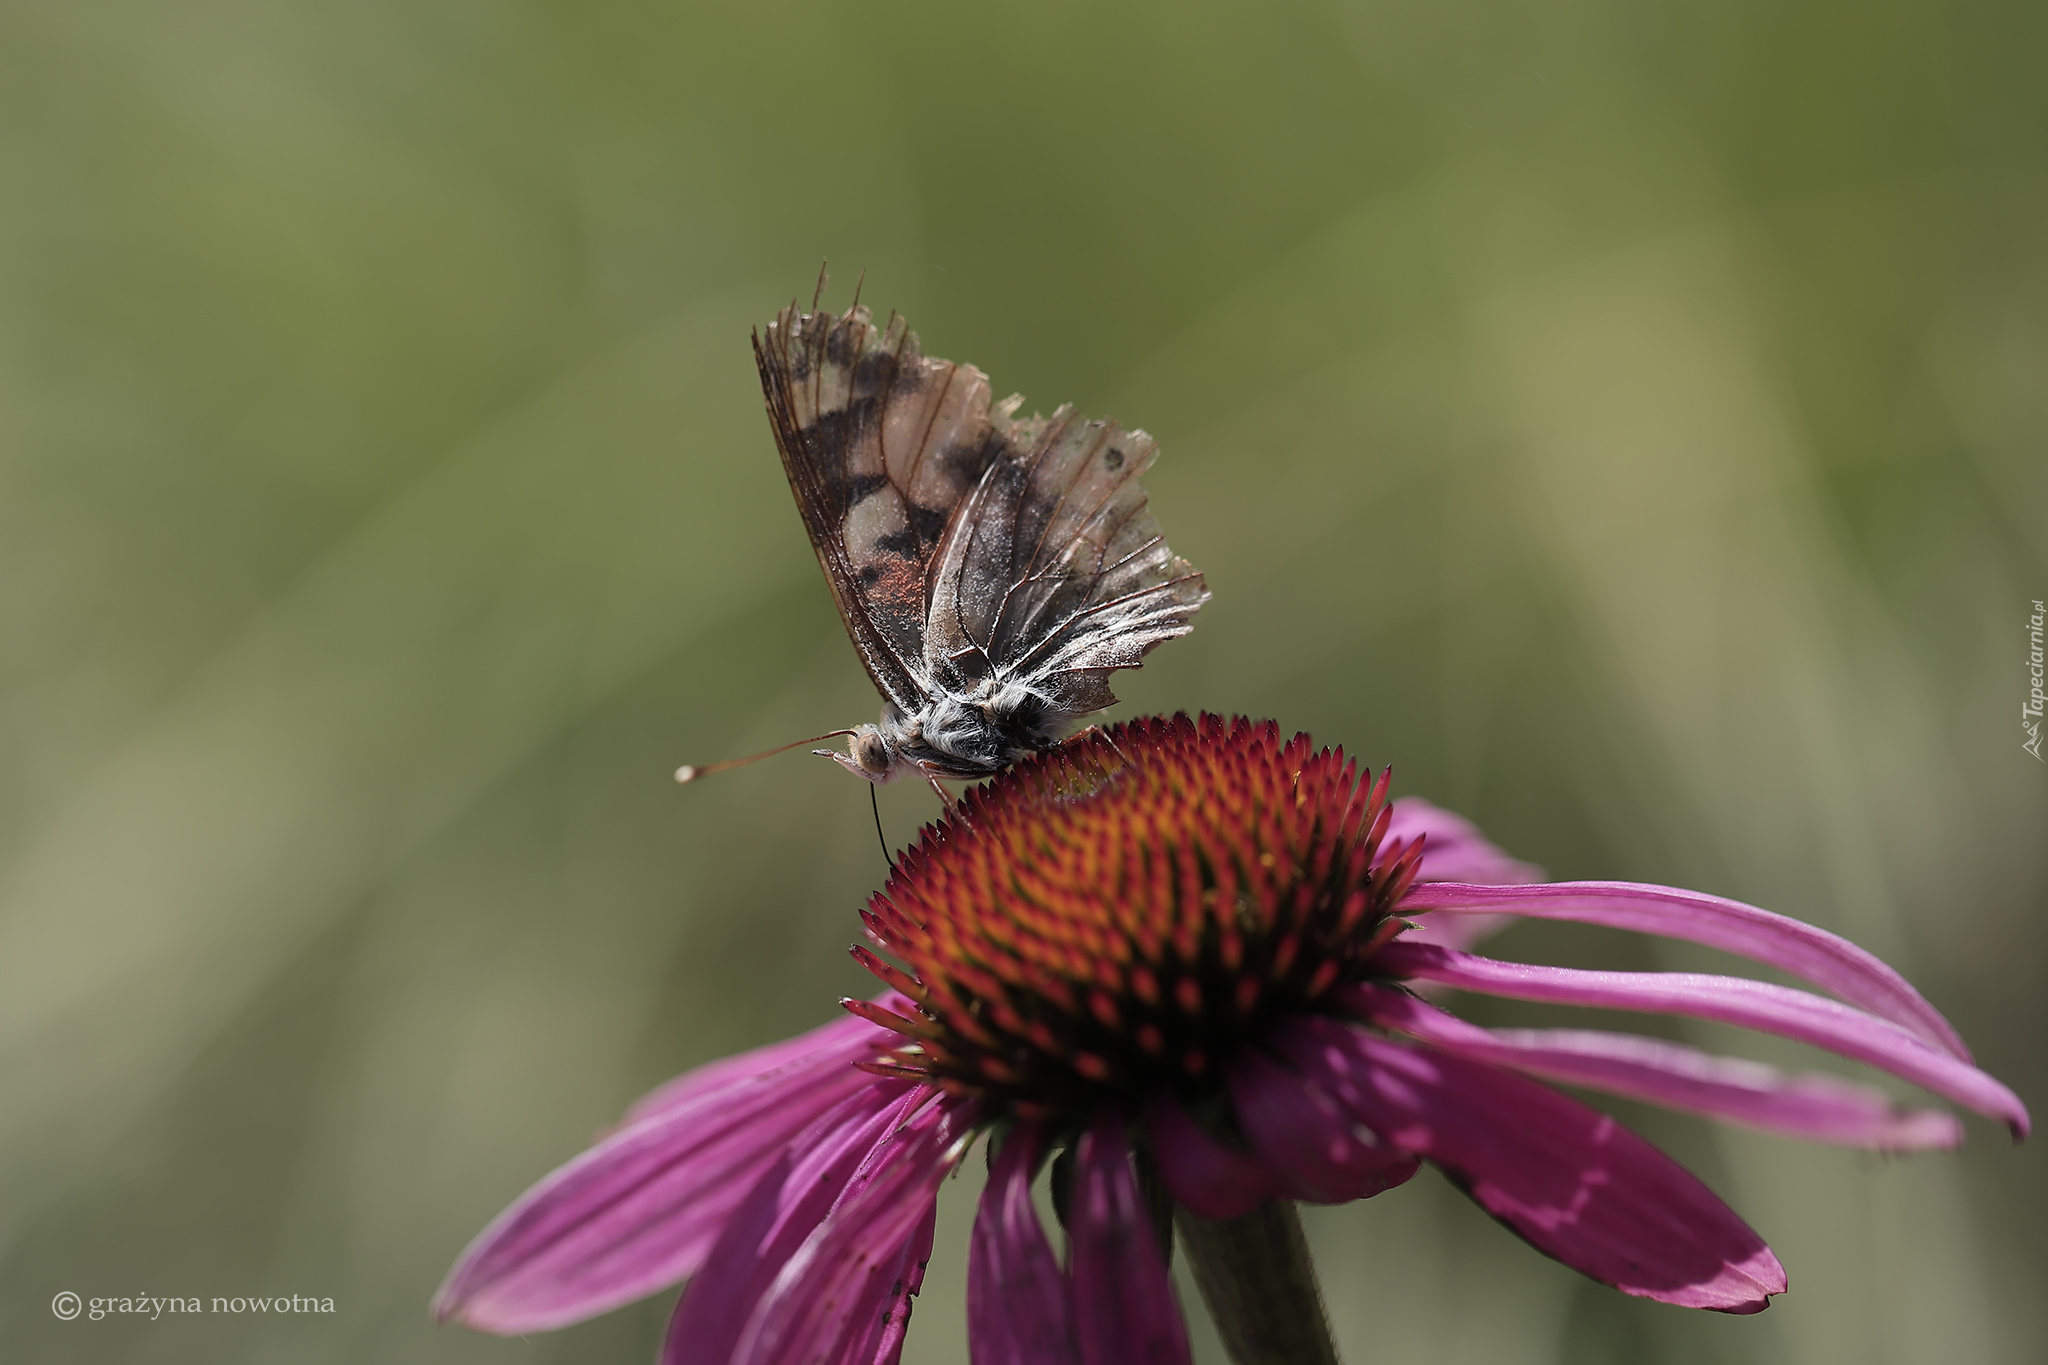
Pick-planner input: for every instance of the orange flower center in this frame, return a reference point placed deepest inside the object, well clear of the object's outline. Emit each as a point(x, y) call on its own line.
point(1118, 913)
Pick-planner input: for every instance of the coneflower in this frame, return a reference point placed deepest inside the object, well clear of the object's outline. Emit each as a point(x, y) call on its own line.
point(1174, 960)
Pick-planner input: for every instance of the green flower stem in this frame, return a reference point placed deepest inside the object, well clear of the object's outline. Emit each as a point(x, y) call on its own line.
point(1256, 1276)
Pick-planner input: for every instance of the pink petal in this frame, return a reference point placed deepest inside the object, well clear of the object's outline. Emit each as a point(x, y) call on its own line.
point(1574, 1183)
point(777, 1218)
point(1730, 1000)
point(1314, 1149)
point(847, 1274)
point(843, 1041)
point(1456, 851)
point(1019, 1308)
point(1209, 1178)
point(638, 1211)
point(885, 1343)
point(751, 1232)
point(1125, 1312)
point(1816, 1108)
point(1830, 962)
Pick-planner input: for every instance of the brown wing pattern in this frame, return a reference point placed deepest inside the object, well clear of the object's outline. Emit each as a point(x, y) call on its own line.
point(882, 446)
point(1056, 571)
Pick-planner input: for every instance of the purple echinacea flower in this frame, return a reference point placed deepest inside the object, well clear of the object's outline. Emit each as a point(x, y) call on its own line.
point(1183, 955)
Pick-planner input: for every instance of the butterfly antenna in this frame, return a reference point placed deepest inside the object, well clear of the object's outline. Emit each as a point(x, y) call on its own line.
point(691, 772)
point(823, 280)
point(875, 803)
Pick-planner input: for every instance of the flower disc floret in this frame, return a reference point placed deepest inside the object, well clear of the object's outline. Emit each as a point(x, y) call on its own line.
point(1121, 913)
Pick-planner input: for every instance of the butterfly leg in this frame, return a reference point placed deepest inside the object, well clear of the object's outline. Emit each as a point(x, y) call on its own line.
point(945, 797)
point(875, 804)
point(1107, 736)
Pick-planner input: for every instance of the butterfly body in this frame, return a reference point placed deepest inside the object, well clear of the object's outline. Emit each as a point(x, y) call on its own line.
point(992, 571)
point(959, 736)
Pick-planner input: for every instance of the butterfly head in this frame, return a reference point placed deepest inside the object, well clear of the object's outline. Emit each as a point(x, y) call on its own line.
point(868, 754)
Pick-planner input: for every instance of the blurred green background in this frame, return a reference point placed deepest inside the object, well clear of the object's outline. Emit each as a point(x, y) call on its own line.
point(1627, 418)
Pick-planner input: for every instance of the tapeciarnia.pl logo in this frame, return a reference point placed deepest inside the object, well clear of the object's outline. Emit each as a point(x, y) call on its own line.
point(2030, 710)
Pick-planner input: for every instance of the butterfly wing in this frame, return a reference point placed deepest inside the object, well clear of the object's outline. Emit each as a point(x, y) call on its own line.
point(1054, 572)
point(960, 542)
point(883, 447)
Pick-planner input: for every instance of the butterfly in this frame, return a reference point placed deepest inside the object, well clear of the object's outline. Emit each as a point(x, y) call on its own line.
point(992, 570)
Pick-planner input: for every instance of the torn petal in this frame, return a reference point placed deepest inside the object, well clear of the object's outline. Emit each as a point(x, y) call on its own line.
point(884, 1345)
